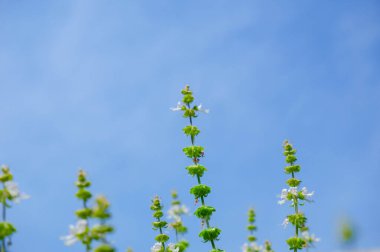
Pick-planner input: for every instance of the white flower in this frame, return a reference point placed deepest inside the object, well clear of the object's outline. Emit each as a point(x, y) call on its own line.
point(72, 237)
point(283, 196)
point(307, 194)
point(176, 211)
point(14, 191)
point(293, 190)
point(157, 247)
point(251, 247)
point(172, 247)
point(200, 109)
point(310, 238)
point(285, 222)
point(178, 108)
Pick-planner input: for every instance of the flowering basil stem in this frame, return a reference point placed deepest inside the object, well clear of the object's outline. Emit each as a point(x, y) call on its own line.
point(161, 238)
point(175, 214)
point(9, 193)
point(195, 153)
point(267, 247)
point(251, 245)
point(82, 231)
point(297, 198)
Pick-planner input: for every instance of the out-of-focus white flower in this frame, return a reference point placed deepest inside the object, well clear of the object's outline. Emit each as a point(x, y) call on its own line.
point(283, 196)
point(310, 239)
point(178, 108)
point(285, 222)
point(72, 237)
point(14, 191)
point(172, 247)
point(201, 109)
point(251, 247)
point(157, 247)
point(306, 194)
point(175, 212)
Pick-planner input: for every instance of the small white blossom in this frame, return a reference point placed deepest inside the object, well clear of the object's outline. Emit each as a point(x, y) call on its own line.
point(293, 190)
point(172, 247)
point(14, 191)
point(72, 237)
point(283, 196)
point(176, 211)
point(251, 247)
point(307, 194)
point(310, 239)
point(157, 247)
point(200, 109)
point(178, 108)
point(285, 222)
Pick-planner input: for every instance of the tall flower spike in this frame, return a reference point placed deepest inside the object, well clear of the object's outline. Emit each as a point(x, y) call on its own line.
point(297, 198)
point(100, 231)
point(8, 194)
point(160, 225)
point(251, 245)
point(175, 213)
point(195, 153)
point(82, 231)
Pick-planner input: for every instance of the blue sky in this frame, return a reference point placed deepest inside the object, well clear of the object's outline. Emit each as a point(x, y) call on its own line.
point(89, 83)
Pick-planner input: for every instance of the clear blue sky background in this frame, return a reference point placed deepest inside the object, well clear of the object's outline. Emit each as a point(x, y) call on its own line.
point(89, 84)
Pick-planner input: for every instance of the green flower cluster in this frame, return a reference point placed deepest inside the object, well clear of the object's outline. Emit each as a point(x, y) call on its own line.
point(195, 153)
point(297, 198)
point(9, 193)
point(82, 231)
point(175, 212)
point(267, 247)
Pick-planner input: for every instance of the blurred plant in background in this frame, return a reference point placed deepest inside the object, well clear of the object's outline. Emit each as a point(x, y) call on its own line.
point(84, 232)
point(175, 214)
point(9, 194)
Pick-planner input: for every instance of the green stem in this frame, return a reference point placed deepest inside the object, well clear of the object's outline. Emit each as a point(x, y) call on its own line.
point(295, 201)
point(87, 238)
point(162, 243)
point(198, 178)
point(4, 215)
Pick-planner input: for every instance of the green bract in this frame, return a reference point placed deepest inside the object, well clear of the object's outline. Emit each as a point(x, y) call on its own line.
point(200, 191)
point(204, 212)
point(196, 170)
point(6, 229)
point(193, 151)
point(210, 234)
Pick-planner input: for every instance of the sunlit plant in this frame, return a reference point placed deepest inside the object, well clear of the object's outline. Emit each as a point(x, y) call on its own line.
point(297, 198)
point(175, 213)
point(251, 244)
point(82, 231)
point(9, 194)
point(195, 153)
point(161, 225)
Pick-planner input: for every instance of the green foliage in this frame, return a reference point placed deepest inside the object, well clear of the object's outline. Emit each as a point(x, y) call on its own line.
point(6, 229)
point(210, 234)
point(204, 212)
point(194, 151)
point(196, 170)
point(295, 243)
point(200, 191)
